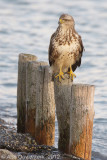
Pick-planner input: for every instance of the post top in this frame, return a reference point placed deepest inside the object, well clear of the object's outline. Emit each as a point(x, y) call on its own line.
point(24, 57)
point(83, 85)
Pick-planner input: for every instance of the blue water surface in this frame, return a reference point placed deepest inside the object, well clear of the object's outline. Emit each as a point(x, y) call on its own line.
point(26, 27)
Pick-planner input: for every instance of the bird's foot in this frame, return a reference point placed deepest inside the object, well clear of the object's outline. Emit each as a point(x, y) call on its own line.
point(71, 74)
point(60, 75)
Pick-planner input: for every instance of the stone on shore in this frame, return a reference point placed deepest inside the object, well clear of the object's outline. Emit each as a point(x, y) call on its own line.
point(7, 155)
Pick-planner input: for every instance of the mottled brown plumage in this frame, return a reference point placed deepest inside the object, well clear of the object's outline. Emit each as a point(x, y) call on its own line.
point(66, 47)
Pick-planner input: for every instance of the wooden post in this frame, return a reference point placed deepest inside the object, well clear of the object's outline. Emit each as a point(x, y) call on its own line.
point(31, 92)
point(63, 102)
point(40, 120)
point(81, 120)
point(21, 90)
point(75, 113)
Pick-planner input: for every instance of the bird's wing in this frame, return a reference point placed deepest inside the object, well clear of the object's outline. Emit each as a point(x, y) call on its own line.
point(80, 51)
point(81, 46)
point(52, 52)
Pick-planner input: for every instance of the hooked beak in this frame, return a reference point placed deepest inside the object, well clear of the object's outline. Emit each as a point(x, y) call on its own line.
point(60, 21)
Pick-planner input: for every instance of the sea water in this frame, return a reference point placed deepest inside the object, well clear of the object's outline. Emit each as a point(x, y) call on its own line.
point(26, 27)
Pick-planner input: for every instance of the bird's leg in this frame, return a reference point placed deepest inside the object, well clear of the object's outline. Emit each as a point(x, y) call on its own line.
point(71, 74)
point(60, 75)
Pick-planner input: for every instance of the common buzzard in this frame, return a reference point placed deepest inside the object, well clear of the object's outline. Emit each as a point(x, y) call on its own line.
point(65, 49)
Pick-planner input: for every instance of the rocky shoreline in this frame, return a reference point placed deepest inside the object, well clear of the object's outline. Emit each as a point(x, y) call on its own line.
point(17, 146)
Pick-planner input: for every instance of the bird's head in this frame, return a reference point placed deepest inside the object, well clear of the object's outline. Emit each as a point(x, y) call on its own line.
point(66, 20)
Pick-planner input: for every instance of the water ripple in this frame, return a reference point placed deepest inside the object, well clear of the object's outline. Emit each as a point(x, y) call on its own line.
point(26, 26)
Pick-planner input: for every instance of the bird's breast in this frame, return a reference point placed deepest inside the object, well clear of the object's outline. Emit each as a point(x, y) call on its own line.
point(70, 47)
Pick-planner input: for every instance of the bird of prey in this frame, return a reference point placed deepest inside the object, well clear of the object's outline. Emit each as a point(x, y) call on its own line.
point(65, 49)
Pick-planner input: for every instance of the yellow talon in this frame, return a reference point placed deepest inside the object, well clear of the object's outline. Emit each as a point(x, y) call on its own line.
point(71, 74)
point(60, 75)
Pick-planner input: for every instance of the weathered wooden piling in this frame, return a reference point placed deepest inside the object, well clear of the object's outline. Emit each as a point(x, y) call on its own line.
point(35, 100)
point(63, 102)
point(40, 98)
point(75, 113)
point(31, 98)
point(21, 90)
point(36, 108)
point(81, 120)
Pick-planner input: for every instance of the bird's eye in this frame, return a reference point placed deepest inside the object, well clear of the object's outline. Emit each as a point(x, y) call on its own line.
point(65, 19)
